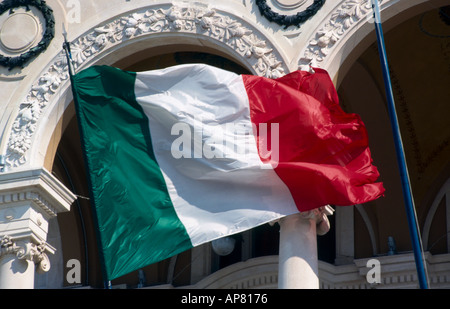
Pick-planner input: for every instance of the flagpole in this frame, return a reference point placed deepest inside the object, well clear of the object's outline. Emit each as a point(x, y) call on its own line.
point(406, 187)
point(66, 47)
point(70, 69)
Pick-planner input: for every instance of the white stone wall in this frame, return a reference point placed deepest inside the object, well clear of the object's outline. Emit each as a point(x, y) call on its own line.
point(34, 98)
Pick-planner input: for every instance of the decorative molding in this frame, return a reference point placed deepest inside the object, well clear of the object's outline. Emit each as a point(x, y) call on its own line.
point(345, 17)
point(397, 272)
point(289, 20)
point(259, 272)
point(25, 250)
point(28, 200)
point(243, 40)
point(35, 187)
point(47, 37)
point(30, 196)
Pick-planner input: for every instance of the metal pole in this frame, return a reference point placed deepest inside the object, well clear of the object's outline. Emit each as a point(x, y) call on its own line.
point(406, 187)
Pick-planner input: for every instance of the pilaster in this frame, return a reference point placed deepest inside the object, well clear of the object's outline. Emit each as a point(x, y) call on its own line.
point(28, 200)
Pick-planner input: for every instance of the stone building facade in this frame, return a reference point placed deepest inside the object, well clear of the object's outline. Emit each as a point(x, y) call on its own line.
point(46, 225)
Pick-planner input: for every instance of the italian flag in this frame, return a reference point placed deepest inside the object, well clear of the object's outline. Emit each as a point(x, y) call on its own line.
point(185, 155)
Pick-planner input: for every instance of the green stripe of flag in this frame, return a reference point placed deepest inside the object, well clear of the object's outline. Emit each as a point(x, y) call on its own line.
point(132, 206)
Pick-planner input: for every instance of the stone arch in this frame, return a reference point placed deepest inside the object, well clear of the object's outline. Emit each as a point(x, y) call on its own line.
point(348, 30)
point(443, 193)
point(342, 38)
point(370, 228)
point(46, 102)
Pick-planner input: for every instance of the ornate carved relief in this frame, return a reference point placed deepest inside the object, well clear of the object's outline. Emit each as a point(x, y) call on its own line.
point(341, 20)
point(26, 251)
point(196, 20)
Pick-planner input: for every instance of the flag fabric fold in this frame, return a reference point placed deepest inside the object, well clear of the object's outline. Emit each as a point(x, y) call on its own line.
point(188, 154)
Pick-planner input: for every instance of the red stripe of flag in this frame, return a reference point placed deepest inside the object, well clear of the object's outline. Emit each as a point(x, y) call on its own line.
point(324, 157)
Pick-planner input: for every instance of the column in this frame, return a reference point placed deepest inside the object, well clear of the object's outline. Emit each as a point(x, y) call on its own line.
point(298, 262)
point(28, 199)
point(345, 238)
point(19, 261)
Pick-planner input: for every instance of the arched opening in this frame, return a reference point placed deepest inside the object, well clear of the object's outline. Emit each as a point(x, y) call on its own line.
point(418, 54)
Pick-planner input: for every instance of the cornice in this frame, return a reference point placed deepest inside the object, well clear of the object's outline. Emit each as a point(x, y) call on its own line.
point(37, 186)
